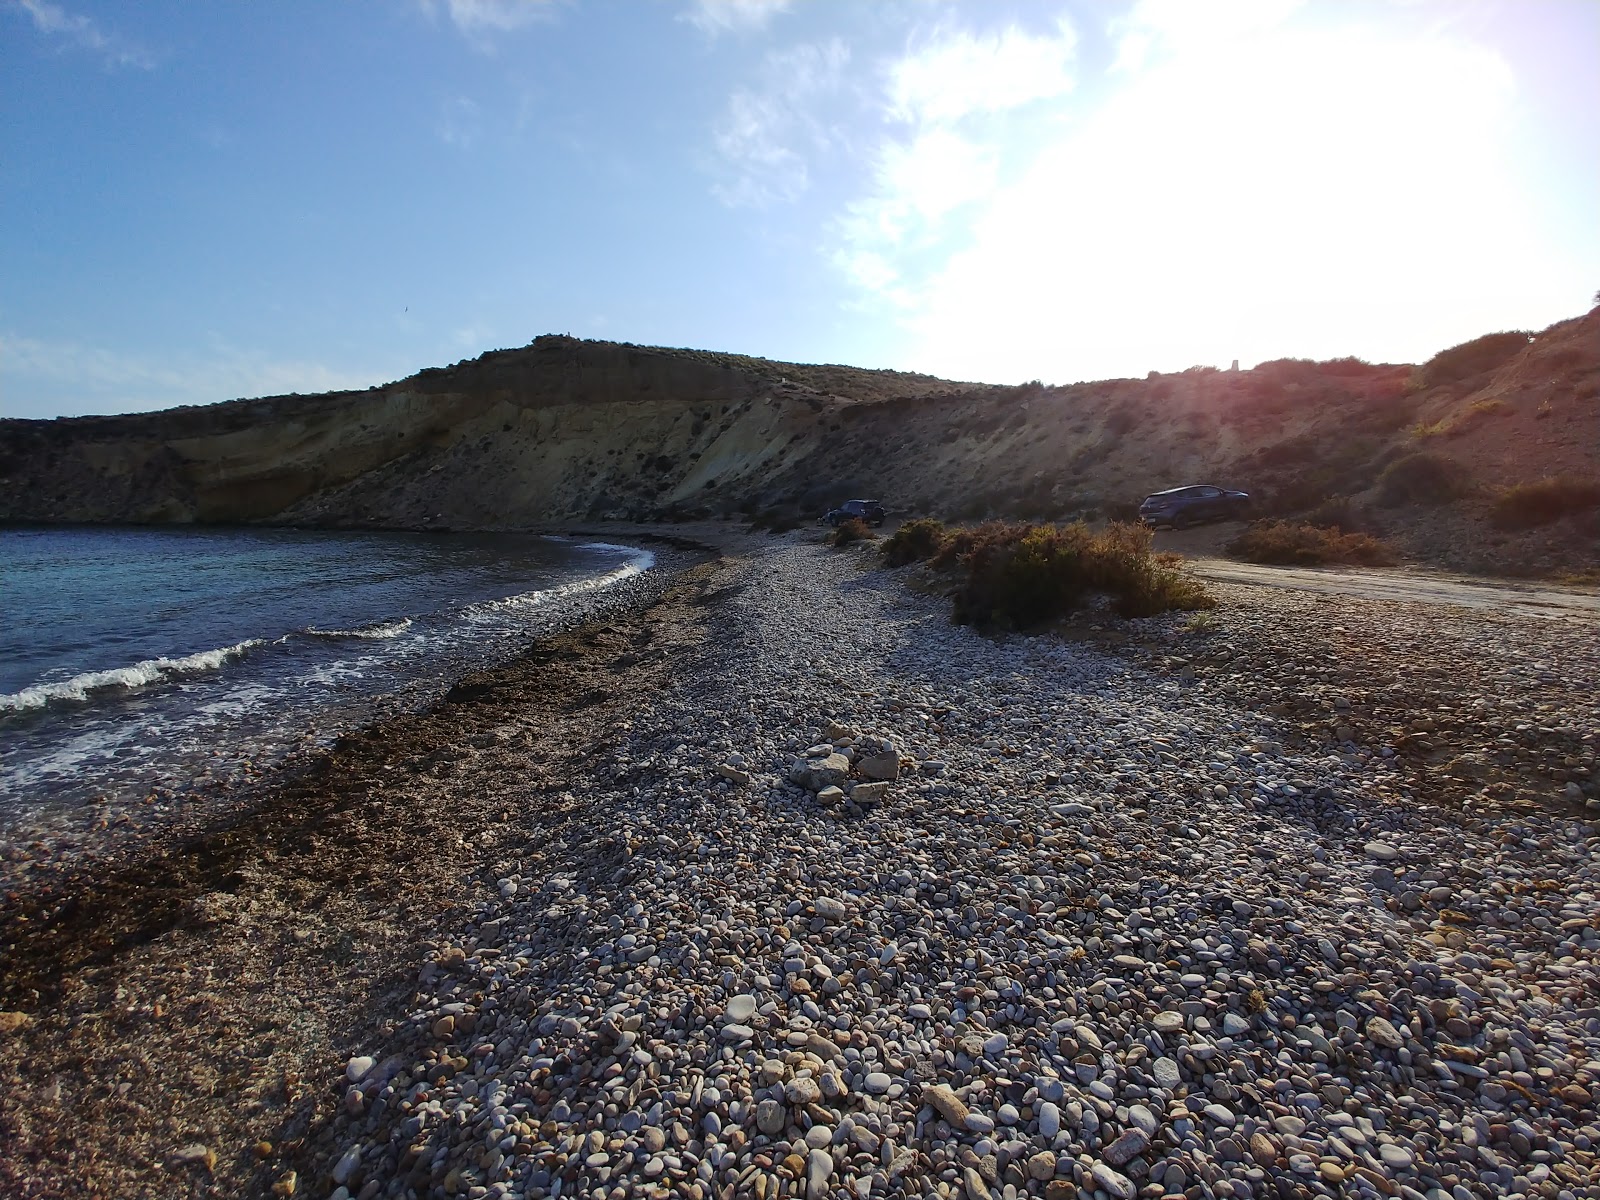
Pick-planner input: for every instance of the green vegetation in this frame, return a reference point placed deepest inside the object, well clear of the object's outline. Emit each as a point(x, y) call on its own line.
point(913, 542)
point(850, 531)
point(1290, 543)
point(1529, 504)
point(1017, 576)
point(1422, 478)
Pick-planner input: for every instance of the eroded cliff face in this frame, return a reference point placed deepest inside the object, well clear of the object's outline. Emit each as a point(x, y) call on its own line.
point(566, 429)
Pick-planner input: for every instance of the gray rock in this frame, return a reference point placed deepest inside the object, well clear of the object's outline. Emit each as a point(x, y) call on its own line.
point(1128, 1146)
point(814, 774)
point(885, 767)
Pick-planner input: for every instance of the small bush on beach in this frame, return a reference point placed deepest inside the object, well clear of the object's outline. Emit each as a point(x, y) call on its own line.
point(915, 541)
point(1422, 478)
point(1015, 576)
point(850, 531)
point(1287, 543)
point(1529, 504)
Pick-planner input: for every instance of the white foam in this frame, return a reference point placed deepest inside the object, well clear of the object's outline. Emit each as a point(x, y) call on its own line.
point(141, 674)
point(638, 562)
point(381, 631)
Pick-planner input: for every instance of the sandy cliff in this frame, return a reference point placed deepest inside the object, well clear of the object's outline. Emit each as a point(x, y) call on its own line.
point(566, 429)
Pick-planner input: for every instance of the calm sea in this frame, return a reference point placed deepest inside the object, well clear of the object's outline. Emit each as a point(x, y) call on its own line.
point(136, 659)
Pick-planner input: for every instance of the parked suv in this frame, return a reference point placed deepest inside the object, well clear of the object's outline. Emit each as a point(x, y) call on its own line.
point(869, 511)
point(1193, 505)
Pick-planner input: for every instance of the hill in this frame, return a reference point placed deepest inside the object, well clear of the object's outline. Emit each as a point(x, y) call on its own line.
point(566, 429)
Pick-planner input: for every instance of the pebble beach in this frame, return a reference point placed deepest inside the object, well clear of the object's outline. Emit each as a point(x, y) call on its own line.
point(853, 902)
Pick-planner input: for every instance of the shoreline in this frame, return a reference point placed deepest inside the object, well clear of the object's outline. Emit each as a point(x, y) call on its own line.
point(318, 844)
point(111, 828)
point(583, 900)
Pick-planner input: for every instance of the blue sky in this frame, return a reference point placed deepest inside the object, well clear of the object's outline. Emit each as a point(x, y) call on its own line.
point(203, 201)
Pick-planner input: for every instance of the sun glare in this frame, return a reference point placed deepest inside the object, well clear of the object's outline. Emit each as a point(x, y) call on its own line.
point(1228, 203)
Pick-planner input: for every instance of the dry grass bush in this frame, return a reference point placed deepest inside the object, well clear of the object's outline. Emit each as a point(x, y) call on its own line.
point(1422, 478)
point(915, 541)
point(849, 532)
point(1529, 504)
point(1291, 543)
point(1016, 576)
point(1477, 357)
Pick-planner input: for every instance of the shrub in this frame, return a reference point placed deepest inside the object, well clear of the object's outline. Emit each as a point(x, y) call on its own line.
point(1287, 543)
point(914, 541)
point(1421, 478)
point(1528, 504)
point(1017, 576)
point(850, 531)
point(1476, 357)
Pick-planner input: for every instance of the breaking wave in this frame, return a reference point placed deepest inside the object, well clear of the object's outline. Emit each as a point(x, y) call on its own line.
point(381, 631)
point(124, 679)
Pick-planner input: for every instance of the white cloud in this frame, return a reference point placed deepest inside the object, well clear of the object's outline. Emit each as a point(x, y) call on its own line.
point(766, 135)
point(959, 74)
point(1156, 27)
point(724, 16)
point(112, 47)
point(1289, 188)
point(481, 21)
point(94, 379)
point(955, 90)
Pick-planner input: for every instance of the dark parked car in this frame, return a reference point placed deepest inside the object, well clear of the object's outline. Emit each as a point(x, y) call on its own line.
point(1193, 505)
point(869, 511)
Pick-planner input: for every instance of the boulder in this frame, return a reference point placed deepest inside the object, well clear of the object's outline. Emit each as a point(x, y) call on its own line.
point(884, 766)
point(814, 774)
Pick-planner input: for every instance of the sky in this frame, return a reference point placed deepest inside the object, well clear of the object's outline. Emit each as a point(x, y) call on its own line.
point(205, 201)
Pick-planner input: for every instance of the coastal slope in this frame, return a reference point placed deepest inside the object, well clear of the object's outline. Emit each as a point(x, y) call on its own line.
point(568, 429)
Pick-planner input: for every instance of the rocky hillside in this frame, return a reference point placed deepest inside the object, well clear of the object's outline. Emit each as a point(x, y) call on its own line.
point(566, 429)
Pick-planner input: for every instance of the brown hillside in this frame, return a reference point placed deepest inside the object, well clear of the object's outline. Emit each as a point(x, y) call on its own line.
point(566, 429)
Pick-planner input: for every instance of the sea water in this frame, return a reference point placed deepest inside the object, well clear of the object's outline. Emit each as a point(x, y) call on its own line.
point(139, 659)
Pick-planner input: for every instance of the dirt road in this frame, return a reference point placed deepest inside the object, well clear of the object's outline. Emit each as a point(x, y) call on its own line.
point(1400, 584)
point(1414, 586)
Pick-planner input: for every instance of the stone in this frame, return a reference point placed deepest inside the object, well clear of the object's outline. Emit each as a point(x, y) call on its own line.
point(830, 796)
point(772, 1118)
point(1382, 1033)
point(1262, 1149)
point(819, 1169)
point(869, 793)
point(734, 775)
point(1114, 1182)
point(1233, 1025)
point(1167, 1022)
point(1049, 1120)
point(13, 1022)
point(802, 1090)
point(359, 1068)
point(885, 767)
point(829, 909)
point(1396, 1158)
point(347, 1164)
point(740, 1008)
point(1381, 851)
point(877, 1082)
point(1166, 1073)
point(1042, 1166)
point(1129, 1145)
point(196, 1154)
point(814, 774)
point(974, 1185)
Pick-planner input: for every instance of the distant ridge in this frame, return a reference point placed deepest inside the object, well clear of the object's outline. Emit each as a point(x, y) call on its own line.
point(567, 429)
